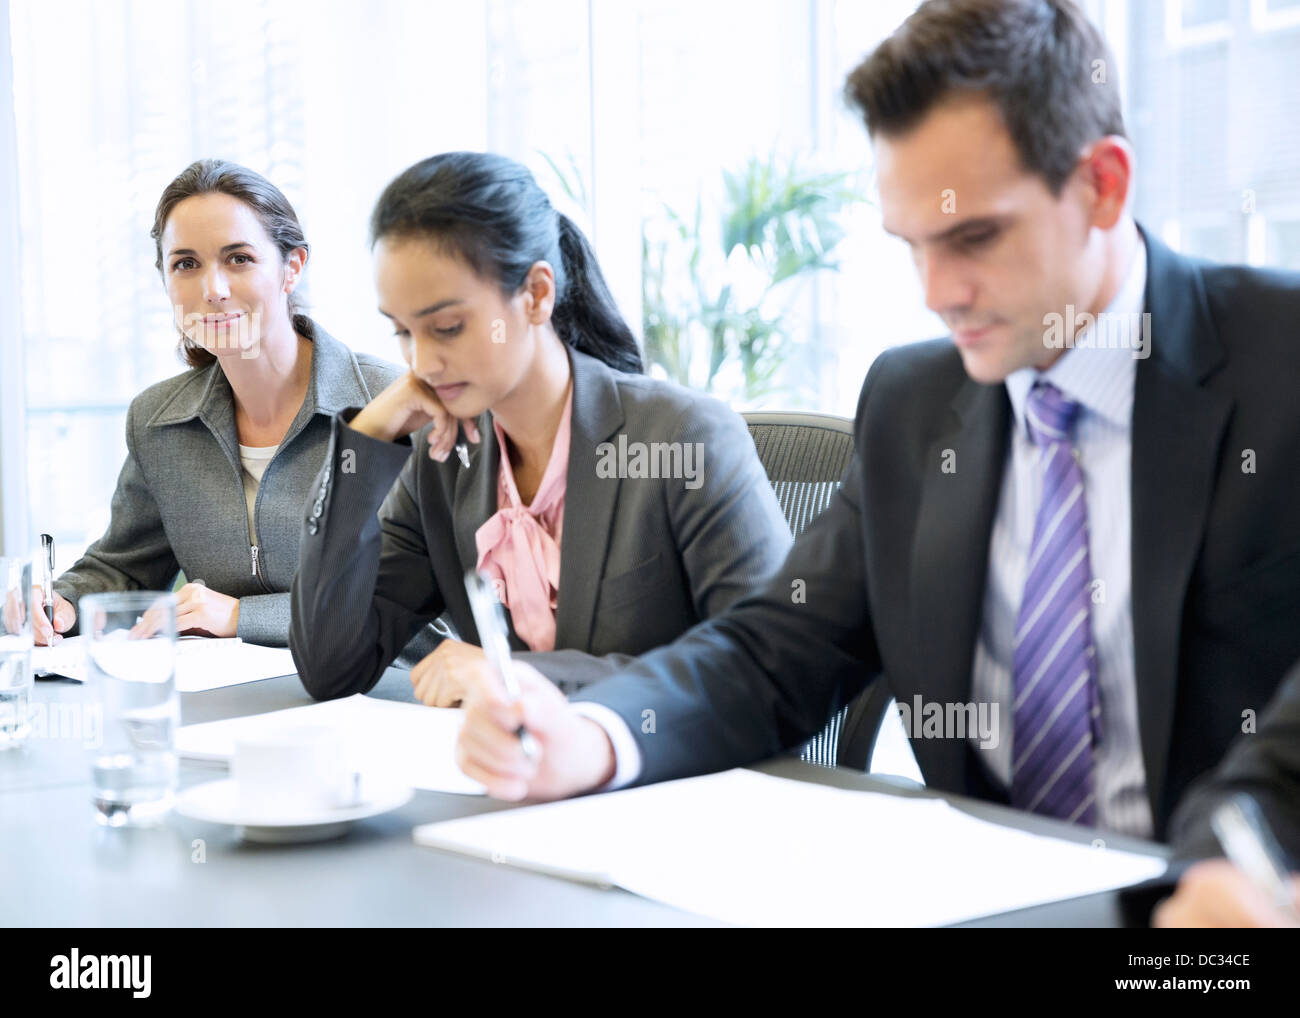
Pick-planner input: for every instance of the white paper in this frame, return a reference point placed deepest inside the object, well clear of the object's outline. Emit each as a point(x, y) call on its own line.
point(407, 743)
point(66, 658)
point(757, 850)
point(202, 663)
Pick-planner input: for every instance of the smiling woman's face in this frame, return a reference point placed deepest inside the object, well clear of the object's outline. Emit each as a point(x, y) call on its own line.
point(457, 331)
point(225, 277)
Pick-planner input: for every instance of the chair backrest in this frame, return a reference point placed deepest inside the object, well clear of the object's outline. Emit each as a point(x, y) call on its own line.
point(805, 455)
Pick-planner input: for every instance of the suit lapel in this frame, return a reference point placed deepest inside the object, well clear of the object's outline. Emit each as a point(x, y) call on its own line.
point(1177, 429)
point(949, 562)
point(589, 500)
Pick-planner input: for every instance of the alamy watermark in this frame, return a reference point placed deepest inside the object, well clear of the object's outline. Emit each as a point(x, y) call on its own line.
point(242, 332)
point(953, 720)
point(82, 722)
point(1106, 330)
point(683, 460)
point(75, 971)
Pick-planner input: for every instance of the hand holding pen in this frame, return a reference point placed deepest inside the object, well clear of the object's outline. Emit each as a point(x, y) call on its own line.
point(1250, 844)
point(491, 624)
point(1251, 887)
point(521, 738)
point(52, 614)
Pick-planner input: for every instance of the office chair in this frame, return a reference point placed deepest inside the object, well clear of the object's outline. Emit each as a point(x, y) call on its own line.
point(805, 454)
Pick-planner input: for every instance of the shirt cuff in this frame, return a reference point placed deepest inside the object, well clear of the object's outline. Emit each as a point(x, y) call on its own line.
point(627, 754)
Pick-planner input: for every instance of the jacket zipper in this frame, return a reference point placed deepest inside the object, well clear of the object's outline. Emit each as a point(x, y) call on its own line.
point(239, 473)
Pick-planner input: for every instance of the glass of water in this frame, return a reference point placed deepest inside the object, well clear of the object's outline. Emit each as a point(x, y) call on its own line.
point(130, 642)
point(15, 651)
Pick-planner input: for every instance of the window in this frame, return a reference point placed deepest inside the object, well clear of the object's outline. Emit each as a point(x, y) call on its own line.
point(632, 115)
point(1218, 153)
point(1283, 247)
point(1196, 22)
point(114, 98)
point(622, 111)
point(1274, 15)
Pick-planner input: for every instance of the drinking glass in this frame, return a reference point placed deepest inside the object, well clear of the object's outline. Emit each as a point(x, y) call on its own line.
point(130, 644)
point(15, 651)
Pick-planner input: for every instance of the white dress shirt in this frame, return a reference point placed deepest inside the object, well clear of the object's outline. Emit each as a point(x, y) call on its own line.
point(1100, 377)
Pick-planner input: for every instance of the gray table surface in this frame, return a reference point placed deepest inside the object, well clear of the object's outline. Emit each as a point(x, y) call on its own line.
point(59, 868)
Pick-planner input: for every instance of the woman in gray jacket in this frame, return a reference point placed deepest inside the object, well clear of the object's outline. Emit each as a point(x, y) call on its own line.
point(610, 510)
point(220, 459)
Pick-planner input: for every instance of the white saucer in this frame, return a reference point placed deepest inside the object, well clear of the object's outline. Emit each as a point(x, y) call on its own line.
point(217, 802)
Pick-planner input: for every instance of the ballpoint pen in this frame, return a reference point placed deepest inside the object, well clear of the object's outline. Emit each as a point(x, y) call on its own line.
point(47, 580)
point(491, 624)
point(1249, 842)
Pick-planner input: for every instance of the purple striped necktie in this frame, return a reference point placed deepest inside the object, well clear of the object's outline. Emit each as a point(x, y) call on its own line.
point(1055, 713)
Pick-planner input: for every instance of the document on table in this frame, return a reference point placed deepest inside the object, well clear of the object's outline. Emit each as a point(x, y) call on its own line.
point(201, 662)
point(406, 742)
point(757, 850)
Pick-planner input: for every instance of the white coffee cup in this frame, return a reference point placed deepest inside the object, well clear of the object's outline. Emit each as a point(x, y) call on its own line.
point(303, 771)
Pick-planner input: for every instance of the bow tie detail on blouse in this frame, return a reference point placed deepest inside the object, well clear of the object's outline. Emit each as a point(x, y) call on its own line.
point(519, 546)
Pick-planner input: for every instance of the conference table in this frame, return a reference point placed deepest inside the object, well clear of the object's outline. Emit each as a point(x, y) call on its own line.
point(62, 869)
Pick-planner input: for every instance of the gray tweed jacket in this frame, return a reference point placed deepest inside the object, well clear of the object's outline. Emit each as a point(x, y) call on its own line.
point(179, 503)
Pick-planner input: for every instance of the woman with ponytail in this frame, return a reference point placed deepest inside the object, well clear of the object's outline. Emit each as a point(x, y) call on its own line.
point(611, 511)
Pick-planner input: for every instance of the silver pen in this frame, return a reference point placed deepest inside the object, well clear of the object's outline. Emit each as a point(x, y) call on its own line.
point(1250, 844)
point(491, 624)
point(47, 580)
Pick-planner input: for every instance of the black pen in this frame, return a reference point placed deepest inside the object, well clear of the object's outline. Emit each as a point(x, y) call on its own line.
point(47, 583)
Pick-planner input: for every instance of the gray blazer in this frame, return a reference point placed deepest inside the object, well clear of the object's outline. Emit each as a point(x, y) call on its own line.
point(179, 503)
point(641, 559)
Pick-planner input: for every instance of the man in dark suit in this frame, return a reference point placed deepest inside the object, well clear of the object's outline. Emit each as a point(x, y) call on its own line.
point(1079, 514)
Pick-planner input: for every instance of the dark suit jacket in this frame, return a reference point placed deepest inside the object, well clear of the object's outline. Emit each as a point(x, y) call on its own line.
point(641, 559)
point(893, 573)
point(1264, 762)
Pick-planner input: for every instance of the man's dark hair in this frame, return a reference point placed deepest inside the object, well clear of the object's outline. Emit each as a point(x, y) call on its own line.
point(1043, 64)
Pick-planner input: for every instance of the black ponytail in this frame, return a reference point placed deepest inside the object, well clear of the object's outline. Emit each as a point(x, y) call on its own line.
point(586, 316)
point(488, 210)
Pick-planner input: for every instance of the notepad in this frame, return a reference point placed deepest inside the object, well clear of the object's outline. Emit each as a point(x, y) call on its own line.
point(202, 663)
point(756, 850)
point(407, 743)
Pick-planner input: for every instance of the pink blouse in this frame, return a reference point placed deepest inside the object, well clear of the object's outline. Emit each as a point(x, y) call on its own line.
point(519, 547)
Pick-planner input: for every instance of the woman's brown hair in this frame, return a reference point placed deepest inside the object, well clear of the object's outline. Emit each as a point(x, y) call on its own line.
point(216, 176)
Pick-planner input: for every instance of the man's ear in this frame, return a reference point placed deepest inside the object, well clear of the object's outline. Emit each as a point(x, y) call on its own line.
point(1107, 168)
point(539, 293)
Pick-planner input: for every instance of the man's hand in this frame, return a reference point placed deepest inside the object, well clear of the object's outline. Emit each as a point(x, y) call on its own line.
point(441, 678)
point(1217, 894)
point(575, 753)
